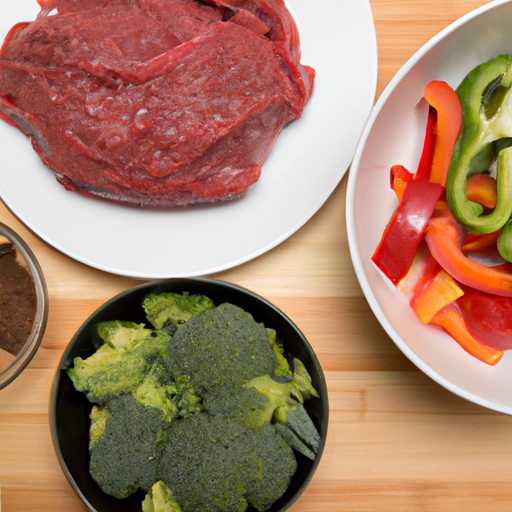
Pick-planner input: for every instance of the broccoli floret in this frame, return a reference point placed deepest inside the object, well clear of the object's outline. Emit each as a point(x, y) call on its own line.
point(213, 463)
point(121, 363)
point(220, 350)
point(284, 404)
point(160, 499)
point(171, 310)
point(153, 393)
point(99, 417)
point(176, 399)
point(283, 397)
point(125, 446)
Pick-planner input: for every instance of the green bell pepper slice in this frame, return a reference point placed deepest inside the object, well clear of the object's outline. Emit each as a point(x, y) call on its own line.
point(486, 136)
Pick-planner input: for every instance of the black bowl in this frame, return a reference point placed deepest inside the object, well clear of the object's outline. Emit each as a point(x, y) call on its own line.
point(69, 409)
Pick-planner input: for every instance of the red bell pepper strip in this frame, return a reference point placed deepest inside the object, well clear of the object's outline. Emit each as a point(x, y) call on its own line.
point(404, 232)
point(444, 237)
point(488, 318)
point(427, 154)
point(450, 319)
point(475, 242)
point(449, 122)
point(399, 176)
point(482, 189)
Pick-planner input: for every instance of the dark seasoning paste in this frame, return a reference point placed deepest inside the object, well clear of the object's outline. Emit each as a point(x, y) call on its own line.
point(17, 300)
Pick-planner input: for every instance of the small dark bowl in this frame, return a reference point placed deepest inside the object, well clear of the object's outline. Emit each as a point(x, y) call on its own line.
point(69, 409)
point(25, 257)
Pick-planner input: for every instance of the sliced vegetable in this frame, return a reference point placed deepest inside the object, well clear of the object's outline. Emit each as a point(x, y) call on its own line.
point(488, 318)
point(404, 232)
point(399, 176)
point(423, 269)
point(444, 237)
point(445, 101)
point(427, 154)
point(482, 189)
point(485, 136)
point(427, 286)
point(440, 291)
point(450, 319)
point(474, 242)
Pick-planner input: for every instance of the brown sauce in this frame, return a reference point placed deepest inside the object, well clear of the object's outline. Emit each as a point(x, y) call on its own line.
point(17, 301)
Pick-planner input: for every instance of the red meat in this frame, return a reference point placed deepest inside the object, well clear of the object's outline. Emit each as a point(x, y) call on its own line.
point(154, 102)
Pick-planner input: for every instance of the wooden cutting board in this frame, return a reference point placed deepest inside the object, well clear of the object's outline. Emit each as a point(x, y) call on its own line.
point(397, 441)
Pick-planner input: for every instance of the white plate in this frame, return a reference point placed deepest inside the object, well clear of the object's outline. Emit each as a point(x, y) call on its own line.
point(394, 135)
point(309, 159)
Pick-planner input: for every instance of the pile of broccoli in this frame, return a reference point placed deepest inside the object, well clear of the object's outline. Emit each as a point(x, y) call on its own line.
point(202, 411)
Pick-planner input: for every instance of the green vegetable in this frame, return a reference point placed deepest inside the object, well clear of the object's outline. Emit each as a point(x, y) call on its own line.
point(486, 136)
point(236, 466)
point(220, 350)
point(284, 405)
point(121, 363)
point(160, 499)
point(207, 418)
point(174, 398)
point(125, 446)
point(171, 310)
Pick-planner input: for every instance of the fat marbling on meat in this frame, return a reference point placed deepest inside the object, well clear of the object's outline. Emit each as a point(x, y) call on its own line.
point(154, 103)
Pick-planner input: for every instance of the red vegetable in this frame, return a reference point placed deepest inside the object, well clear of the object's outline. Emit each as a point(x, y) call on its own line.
point(482, 189)
point(444, 237)
point(447, 128)
point(427, 154)
point(475, 242)
point(440, 291)
point(399, 176)
point(450, 319)
point(488, 318)
point(404, 232)
point(423, 269)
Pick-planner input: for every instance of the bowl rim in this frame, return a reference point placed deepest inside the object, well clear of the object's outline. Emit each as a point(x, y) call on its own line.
point(321, 383)
point(349, 208)
point(8, 374)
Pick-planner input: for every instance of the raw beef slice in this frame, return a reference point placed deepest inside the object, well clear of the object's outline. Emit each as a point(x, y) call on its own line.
point(154, 102)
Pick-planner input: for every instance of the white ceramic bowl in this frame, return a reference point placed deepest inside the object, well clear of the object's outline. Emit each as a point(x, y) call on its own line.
point(394, 135)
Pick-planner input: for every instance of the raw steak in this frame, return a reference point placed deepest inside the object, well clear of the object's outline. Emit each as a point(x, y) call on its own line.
point(154, 102)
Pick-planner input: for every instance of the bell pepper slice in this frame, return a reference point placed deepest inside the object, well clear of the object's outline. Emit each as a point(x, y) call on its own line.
point(404, 232)
point(444, 237)
point(427, 286)
point(399, 176)
point(488, 318)
point(451, 320)
point(440, 291)
point(482, 189)
point(427, 153)
point(486, 135)
point(474, 242)
point(445, 101)
point(504, 242)
point(423, 269)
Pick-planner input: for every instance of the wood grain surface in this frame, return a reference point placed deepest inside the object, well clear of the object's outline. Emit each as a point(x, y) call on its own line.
point(397, 441)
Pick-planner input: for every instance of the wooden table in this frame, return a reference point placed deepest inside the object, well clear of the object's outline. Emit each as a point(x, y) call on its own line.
point(397, 440)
